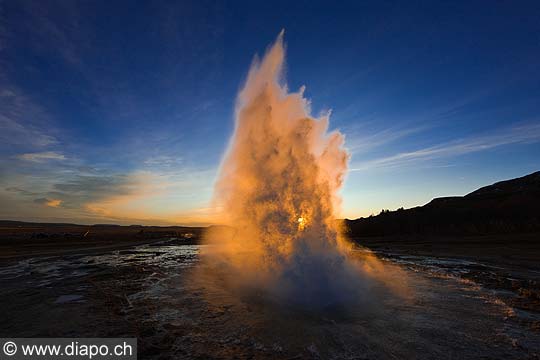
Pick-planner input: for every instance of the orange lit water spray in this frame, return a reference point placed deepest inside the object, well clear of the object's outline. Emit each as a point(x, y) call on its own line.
point(278, 188)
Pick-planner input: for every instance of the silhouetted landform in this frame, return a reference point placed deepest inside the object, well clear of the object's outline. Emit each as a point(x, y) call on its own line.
point(21, 239)
point(495, 229)
point(506, 207)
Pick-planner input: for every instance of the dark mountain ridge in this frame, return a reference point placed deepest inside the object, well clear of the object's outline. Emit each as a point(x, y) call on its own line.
point(511, 206)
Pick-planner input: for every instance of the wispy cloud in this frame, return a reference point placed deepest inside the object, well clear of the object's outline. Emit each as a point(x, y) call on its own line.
point(47, 29)
point(17, 190)
point(163, 161)
point(42, 156)
point(16, 110)
point(361, 144)
point(520, 134)
point(162, 197)
point(49, 202)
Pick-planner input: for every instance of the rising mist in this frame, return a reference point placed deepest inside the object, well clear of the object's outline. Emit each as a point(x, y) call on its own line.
point(278, 189)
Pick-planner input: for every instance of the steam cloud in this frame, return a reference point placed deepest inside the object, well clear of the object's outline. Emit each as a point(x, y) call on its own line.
point(278, 189)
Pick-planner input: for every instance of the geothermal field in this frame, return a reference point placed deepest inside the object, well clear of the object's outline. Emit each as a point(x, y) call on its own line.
point(367, 187)
point(283, 279)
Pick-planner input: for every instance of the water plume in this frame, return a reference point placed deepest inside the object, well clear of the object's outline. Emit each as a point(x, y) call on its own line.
point(278, 189)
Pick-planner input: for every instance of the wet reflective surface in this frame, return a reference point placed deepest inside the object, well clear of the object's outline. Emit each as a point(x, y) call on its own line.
point(458, 309)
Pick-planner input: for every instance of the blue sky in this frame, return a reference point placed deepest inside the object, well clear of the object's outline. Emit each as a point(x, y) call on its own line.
point(121, 111)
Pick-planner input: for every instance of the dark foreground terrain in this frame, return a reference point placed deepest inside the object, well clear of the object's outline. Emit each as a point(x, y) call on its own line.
point(509, 262)
point(467, 297)
point(453, 309)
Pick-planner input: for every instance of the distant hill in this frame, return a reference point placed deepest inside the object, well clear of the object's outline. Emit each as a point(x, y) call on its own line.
point(17, 231)
point(25, 224)
point(511, 206)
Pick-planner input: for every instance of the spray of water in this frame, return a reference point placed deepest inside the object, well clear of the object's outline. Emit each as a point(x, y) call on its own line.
point(278, 190)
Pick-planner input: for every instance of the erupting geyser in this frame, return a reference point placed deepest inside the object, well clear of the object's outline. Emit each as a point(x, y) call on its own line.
point(278, 190)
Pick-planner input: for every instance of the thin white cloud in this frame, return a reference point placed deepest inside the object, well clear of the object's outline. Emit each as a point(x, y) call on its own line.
point(362, 144)
point(163, 161)
point(42, 156)
point(22, 121)
point(521, 134)
point(15, 133)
